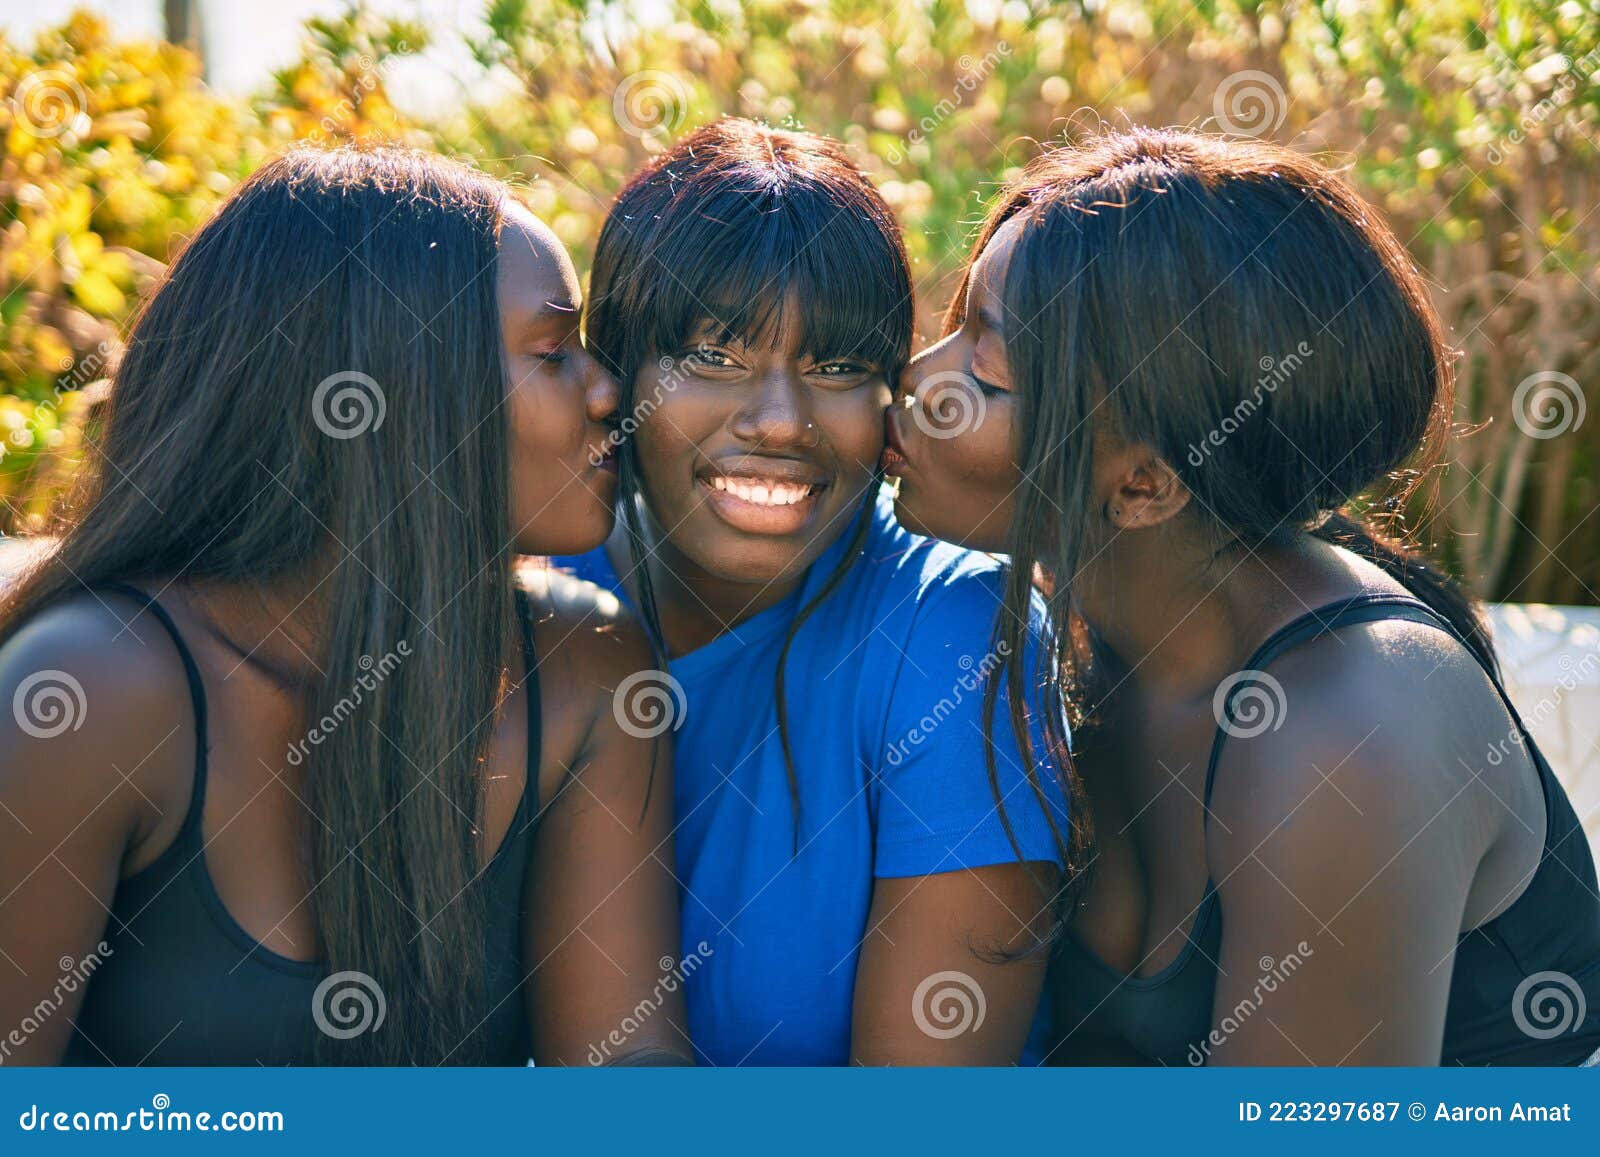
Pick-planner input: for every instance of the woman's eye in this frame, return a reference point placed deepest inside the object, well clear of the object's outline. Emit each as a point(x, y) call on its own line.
point(709, 359)
point(988, 389)
point(844, 373)
point(552, 358)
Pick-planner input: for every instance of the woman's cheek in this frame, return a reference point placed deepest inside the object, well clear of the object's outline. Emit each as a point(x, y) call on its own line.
point(994, 459)
point(855, 424)
point(967, 485)
point(995, 473)
point(666, 455)
point(528, 403)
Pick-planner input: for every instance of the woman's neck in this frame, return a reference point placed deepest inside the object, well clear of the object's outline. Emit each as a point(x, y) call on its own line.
point(1181, 616)
point(695, 606)
point(273, 626)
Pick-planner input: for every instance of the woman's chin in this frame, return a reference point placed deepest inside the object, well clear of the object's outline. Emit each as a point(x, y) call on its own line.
point(906, 514)
point(761, 564)
point(579, 536)
point(915, 516)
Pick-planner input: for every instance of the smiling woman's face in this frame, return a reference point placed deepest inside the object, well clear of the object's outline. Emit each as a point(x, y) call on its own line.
point(756, 455)
point(563, 474)
point(954, 450)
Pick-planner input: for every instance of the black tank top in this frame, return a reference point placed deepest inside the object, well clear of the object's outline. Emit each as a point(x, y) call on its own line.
point(184, 984)
point(1553, 927)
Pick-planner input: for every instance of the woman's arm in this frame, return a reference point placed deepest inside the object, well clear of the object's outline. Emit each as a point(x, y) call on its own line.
point(92, 732)
point(602, 937)
point(932, 987)
point(1343, 847)
point(953, 959)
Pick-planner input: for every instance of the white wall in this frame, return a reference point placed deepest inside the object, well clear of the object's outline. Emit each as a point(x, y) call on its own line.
point(1551, 660)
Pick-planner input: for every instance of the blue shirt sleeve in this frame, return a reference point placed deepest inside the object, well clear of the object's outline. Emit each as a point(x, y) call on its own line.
point(937, 810)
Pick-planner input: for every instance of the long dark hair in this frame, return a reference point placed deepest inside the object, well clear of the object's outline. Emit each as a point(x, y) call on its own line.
point(335, 292)
point(1323, 372)
point(723, 228)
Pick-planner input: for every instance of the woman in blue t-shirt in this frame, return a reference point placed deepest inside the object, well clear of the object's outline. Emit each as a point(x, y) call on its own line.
point(863, 878)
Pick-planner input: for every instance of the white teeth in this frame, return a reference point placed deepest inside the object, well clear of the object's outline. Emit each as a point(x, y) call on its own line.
point(762, 494)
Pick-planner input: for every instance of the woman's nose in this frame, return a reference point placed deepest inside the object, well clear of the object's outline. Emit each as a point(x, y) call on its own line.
point(927, 366)
point(778, 417)
point(902, 384)
point(601, 394)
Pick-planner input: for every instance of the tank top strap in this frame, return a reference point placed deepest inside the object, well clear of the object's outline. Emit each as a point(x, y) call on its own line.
point(197, 696)
point(1353, 611)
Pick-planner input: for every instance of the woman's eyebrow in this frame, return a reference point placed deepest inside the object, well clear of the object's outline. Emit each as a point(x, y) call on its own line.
point(551, 317)
point(716, 333)
point(551, 312)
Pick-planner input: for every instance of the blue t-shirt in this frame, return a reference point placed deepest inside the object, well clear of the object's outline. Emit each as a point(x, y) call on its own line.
point(885, 700)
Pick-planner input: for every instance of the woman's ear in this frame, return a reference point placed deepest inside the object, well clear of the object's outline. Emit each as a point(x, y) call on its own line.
point(1145, 492)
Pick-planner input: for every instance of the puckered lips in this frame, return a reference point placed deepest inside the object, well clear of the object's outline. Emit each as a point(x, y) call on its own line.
point(763, 495)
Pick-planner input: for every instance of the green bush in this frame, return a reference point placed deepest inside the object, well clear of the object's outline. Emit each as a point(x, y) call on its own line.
point(114, 151)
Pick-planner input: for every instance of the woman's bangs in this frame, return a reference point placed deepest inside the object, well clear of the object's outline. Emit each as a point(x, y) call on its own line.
point(810, 261)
